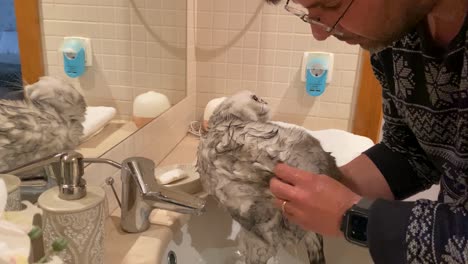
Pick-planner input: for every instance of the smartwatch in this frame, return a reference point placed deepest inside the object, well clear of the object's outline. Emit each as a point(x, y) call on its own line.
point(354, 224)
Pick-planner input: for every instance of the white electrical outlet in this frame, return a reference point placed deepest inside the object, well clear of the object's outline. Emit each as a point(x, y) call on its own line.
point(88, 49)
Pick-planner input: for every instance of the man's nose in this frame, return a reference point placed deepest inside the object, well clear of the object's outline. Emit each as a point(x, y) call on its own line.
point(319, 33)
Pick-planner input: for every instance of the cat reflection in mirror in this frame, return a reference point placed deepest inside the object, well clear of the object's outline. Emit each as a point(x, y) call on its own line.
point(47, 121)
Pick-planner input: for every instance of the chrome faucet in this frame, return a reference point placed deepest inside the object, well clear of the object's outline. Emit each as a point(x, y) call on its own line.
point(140, 191)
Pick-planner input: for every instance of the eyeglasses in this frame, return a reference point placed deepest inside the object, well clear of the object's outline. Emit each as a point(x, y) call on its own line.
point(316, 21)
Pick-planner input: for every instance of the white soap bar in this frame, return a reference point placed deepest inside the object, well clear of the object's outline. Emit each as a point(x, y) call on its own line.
point(171, 176)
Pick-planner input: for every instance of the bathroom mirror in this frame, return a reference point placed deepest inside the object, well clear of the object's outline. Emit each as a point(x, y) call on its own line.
point(136, 46)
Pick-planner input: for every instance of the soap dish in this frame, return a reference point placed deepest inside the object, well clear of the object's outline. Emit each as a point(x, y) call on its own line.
point(190, 184)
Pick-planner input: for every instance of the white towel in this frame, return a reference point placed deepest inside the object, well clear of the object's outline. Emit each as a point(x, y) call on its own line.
point(343, 145)
point(95, 119)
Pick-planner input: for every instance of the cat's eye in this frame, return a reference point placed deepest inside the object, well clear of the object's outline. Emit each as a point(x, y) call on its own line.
point(254, 97)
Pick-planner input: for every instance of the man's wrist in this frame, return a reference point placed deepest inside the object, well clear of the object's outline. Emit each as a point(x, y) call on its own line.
point(347, 179)
point(361, 173)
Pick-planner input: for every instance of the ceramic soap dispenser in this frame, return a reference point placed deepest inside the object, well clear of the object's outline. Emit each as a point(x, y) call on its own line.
point(76, 213)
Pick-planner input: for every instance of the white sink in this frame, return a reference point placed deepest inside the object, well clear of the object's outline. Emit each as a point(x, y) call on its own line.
point(210, 239)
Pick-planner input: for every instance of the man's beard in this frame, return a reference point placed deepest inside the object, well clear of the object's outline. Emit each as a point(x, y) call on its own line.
point(377, 46)
point(369, 44)
point(374, 46)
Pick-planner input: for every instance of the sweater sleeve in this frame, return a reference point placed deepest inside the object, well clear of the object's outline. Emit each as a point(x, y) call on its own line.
point(418, 232)
point(399, 157)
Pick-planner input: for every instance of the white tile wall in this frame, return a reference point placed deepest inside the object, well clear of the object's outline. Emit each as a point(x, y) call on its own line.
point(128, 58)
point(247, 44)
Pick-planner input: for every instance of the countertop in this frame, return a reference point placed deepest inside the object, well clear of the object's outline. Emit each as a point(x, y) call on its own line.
point(184, 152)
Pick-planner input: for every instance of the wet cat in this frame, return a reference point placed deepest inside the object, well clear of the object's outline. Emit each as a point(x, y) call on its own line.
point(47, 121)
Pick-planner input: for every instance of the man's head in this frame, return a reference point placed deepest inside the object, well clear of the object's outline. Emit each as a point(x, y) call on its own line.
point(373, 24)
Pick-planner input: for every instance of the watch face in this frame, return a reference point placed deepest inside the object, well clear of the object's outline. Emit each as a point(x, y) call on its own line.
point(357, 228)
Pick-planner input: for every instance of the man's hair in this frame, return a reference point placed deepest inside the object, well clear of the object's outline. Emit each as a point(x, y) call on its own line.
point(273, 1)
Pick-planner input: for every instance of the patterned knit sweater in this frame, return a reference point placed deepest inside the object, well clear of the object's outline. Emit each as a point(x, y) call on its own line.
point(425, 141)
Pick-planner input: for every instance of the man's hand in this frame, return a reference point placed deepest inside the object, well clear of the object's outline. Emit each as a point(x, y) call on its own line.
point(314, 202)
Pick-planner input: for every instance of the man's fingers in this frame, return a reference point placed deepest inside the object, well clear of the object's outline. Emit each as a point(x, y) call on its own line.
point(290, 174)
point(282, 190)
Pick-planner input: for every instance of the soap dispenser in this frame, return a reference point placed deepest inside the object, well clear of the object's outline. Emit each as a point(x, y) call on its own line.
point(75, 212)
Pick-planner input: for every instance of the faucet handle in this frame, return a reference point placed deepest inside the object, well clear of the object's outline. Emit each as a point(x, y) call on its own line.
point(186, 203)
point(142, 171)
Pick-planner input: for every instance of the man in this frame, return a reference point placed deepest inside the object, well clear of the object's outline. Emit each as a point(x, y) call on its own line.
point(420, 56)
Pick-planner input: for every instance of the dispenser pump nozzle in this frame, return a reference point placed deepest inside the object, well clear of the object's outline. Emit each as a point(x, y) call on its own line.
point(70, 172)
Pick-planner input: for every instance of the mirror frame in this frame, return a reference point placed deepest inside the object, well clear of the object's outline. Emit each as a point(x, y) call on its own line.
point(28, 26)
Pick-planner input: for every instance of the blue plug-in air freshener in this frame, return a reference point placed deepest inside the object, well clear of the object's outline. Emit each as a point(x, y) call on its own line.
point(74, 57)
point(316, 71)
point(316, 77)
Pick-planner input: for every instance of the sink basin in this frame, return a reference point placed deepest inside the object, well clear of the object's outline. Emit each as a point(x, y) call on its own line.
point(210, 239)
point(206, 239)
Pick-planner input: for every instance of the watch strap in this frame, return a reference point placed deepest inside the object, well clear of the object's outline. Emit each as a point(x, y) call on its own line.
point(365, 203)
